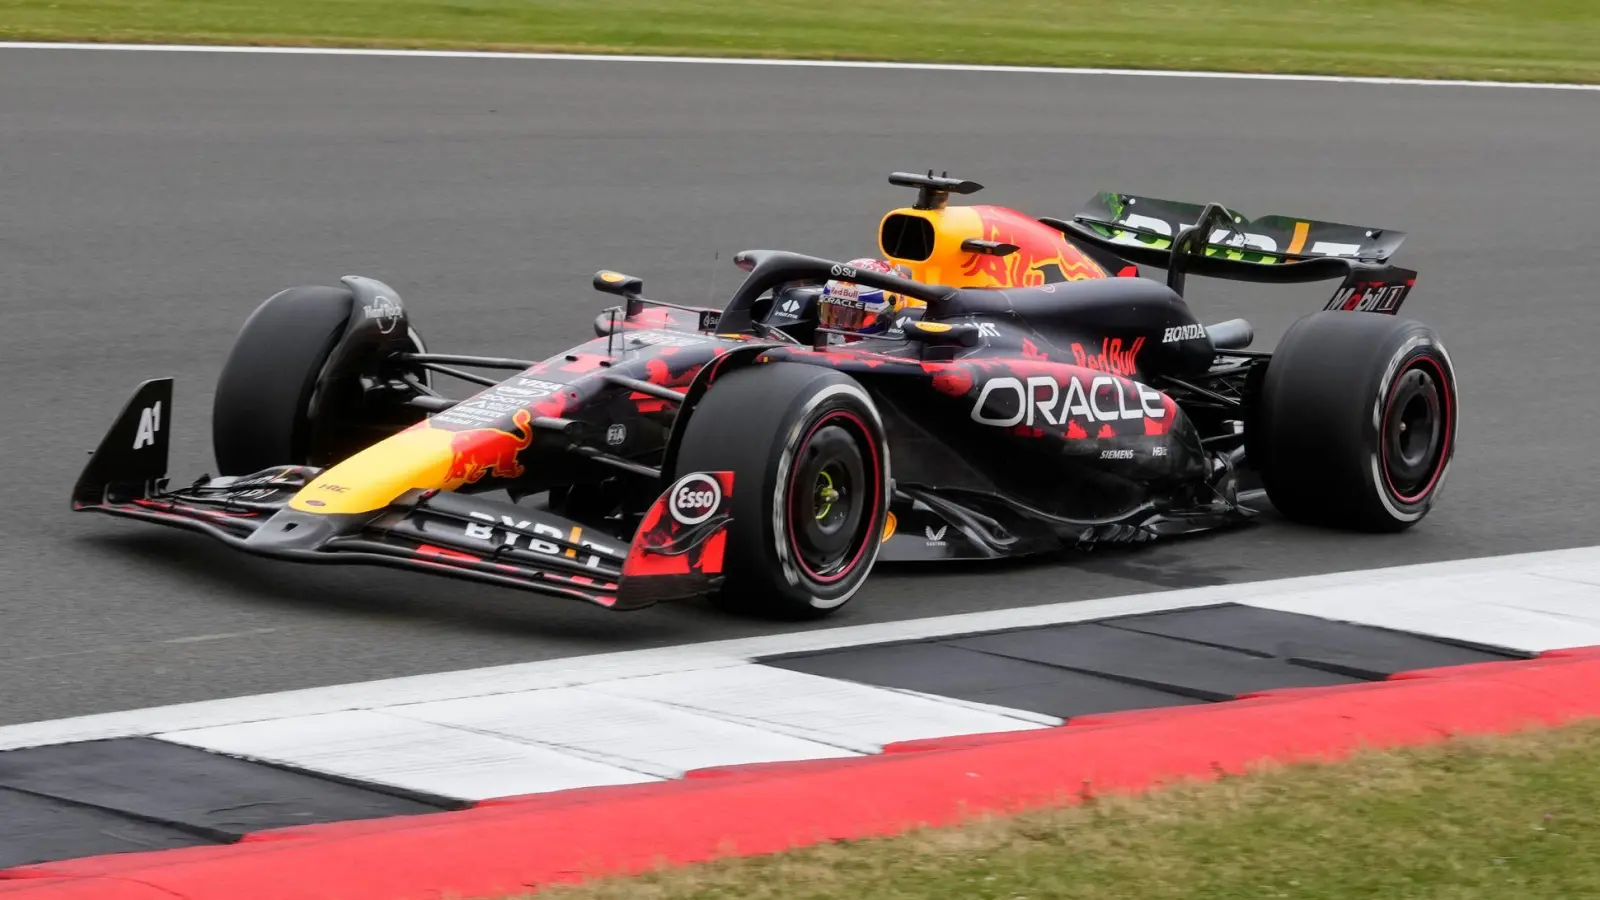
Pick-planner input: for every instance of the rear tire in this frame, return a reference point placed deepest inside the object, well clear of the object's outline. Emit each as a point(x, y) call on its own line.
point(1356, 421)
point(810, 489)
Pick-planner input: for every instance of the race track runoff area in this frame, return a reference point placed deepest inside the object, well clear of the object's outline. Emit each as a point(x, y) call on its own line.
point(415, 786)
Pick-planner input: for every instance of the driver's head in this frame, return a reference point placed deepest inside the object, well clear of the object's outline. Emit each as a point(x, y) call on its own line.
point(861, 309)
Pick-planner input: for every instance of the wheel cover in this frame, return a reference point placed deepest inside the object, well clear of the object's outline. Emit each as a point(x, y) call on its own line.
point(1415, 433)
point(832, 497)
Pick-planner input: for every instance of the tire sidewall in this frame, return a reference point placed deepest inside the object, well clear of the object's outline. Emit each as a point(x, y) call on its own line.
point(1418, 344)
point(754, 423)
point(288, 392)
point(836, 395)
point(1318, 435)
point(272, 376)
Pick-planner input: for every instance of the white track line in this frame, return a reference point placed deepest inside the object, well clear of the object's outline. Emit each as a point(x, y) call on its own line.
point(1531, 601)
point(793, 63)
point(728, 710)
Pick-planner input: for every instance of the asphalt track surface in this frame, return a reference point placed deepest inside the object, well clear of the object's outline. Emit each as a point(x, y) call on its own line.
point(149, 201)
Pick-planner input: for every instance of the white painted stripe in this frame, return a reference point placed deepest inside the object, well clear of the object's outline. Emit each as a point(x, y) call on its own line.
point(570, 671)
point(1528, 611)
point(634, 734)
point(407, 753)
point(617, 732)
point(857, 717)
point(794, 63)
point(661, 725)
point(1584, 572)
point(1333, 596)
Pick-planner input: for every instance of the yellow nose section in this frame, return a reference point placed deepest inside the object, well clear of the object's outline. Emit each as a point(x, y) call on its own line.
point(420, 458)
point(372, 479)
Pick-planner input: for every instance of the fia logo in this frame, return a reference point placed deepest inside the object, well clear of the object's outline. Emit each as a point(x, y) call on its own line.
point(935, 538)
point(616, 434)
point(149, 426)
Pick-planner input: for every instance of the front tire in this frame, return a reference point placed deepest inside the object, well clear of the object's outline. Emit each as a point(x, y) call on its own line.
point(1356, 424)
point(810, 490)
point(261, 413)
point(258, 417)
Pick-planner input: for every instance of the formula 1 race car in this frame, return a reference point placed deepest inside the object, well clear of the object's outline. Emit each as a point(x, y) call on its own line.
point(1029, 391)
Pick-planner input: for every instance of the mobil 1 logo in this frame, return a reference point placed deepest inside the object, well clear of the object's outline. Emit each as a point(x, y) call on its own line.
point(1377, 298)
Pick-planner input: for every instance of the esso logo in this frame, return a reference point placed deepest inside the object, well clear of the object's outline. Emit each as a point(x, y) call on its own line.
point(694, 499)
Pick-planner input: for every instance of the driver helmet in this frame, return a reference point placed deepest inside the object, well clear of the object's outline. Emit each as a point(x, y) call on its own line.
point(860, 309)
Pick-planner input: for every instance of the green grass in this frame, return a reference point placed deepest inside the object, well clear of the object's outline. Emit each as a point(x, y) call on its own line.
point(1509, 817)
point(1480, 39)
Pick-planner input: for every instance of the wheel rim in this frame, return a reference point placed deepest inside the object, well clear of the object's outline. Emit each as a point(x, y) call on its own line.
point(831, 498)
point(1415, 430)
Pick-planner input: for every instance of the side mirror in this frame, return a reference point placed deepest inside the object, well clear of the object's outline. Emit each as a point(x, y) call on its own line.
point(609, 282)
point(943, 334)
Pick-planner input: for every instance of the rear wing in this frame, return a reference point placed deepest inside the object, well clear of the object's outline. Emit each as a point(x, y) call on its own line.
point(1214, 241)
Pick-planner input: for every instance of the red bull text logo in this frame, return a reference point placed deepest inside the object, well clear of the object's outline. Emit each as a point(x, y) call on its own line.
point(1111, 358)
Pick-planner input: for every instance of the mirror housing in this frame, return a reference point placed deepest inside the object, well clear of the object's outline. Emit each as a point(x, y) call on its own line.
point(941, 334)
point(609, 282)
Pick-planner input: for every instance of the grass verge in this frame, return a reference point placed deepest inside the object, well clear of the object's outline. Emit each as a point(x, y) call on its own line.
point(1513, 816)
point(1540, 40)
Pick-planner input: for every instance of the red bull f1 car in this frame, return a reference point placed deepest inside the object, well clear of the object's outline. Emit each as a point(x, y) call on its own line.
point(1028, 389)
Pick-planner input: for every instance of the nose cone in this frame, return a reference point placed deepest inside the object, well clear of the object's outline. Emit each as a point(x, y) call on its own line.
point(419, 457)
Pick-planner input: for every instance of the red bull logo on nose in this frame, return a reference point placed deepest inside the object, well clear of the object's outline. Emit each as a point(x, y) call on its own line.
point(477, 452)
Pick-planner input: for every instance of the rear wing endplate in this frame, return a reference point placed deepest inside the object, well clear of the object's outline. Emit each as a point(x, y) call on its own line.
point(1213, 241)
